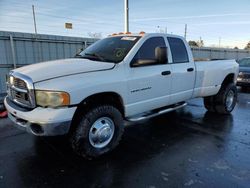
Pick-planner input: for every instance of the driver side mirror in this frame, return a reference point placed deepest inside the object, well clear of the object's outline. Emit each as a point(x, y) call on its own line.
point(161, 55)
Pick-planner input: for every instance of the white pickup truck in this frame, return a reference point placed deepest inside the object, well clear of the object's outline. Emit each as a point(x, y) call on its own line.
point(122, 77)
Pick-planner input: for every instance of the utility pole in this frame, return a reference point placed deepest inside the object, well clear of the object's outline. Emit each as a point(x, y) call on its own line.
point(185, 33)
point(166, 30)
point(34, 18)
point(37, 44)
point(200, 45)
point(126, 10)
point(219, 41)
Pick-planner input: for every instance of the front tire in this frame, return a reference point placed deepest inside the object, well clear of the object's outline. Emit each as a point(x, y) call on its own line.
point(98, 132)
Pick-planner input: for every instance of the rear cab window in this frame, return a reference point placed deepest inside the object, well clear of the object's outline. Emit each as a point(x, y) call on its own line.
point(178, 50)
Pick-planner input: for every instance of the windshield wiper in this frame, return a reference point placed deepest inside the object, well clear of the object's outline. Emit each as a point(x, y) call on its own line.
point(96, 56)
point(78, 55)
point(93, 56)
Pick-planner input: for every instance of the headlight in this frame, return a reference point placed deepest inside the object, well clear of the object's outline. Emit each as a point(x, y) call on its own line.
point(52, 98)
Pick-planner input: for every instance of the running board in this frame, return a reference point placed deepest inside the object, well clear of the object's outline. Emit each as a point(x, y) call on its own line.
point(145, 116)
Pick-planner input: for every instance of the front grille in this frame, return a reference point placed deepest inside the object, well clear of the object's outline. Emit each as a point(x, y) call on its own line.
point(19, 90)
point(20, 97)
point(19, 83)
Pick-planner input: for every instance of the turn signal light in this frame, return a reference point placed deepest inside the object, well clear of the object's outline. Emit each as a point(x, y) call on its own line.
point(142, 33)
point(126, 33)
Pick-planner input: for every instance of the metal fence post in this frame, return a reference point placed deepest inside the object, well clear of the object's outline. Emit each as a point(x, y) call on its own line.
point(85, 44)
point(13, 51)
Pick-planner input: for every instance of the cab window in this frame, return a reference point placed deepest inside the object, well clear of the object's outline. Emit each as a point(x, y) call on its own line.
point(178, 50)
point(146, 53)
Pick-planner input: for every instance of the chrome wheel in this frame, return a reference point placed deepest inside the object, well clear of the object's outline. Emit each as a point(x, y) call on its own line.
point(230, 100)
point(101, 132)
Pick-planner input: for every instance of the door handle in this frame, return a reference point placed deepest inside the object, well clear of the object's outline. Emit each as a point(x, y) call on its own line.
point(190, 69)
point(164, 73)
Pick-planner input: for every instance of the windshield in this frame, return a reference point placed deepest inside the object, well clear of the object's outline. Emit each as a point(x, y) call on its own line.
point(112, 49)
point(245, 62)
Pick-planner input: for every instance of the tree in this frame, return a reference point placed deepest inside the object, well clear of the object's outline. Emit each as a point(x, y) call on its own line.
point(247, 46)
point(236, 48)
point(193, 43)
point(198, 43)
point(95, 35)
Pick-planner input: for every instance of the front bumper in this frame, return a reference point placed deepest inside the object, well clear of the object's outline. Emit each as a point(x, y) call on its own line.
point(41, 121)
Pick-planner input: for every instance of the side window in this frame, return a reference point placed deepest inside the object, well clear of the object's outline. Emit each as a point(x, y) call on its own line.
point(178, 50)
point(147, 51)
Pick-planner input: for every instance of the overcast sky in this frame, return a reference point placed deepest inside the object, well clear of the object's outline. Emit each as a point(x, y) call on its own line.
point(212, 20)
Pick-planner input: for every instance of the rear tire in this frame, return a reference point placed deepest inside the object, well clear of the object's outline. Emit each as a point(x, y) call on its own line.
point(98, 132)
point(224, 101)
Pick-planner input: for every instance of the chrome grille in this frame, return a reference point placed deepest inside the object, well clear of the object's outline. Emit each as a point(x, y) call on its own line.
point(20, 83)
point(20, 89)
point(20, 97)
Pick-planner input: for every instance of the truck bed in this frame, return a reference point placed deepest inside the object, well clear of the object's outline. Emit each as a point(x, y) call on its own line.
point(210, 75)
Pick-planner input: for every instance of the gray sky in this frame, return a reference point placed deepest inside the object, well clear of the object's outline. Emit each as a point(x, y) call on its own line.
point(208, 19)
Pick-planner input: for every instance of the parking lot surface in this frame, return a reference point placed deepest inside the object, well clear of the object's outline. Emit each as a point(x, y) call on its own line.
point(187, 148)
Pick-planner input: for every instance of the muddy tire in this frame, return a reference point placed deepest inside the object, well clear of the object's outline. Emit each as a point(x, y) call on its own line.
point(98, 132)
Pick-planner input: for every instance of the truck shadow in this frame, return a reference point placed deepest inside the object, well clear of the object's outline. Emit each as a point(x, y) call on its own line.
point(54, 162)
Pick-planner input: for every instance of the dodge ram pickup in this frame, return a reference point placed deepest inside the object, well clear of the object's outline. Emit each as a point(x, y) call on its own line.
point(129, 77)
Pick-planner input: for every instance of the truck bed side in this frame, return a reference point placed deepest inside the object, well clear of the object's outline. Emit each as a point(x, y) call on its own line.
point(210, 75)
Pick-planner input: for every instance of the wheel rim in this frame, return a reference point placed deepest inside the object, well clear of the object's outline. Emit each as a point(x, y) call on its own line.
point(101, 132)
point(230, 100)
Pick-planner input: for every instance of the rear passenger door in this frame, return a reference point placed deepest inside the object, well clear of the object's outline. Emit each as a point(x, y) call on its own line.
point(183, 71)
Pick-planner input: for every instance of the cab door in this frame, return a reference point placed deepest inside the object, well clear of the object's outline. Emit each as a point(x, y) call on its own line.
point(148, 83)
point(183, 71)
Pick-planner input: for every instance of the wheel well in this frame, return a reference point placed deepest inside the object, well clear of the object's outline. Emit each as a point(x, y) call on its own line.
point(111, 98)
point(229, 79)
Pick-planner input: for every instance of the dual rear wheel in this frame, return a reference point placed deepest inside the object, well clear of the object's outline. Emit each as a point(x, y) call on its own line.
point(223, 102)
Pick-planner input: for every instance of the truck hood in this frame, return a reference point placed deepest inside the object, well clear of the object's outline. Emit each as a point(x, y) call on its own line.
point(64, 67)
